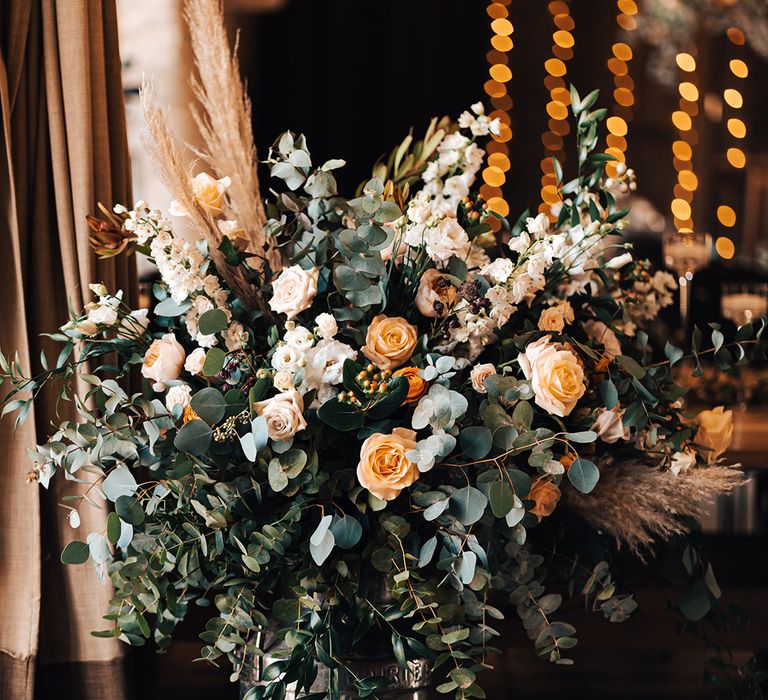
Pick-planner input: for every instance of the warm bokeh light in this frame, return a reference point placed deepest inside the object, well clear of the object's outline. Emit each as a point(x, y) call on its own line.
point(686, 62)
point(739, 68)
point(497, 11)
point(500, 73)
point(737, 128)
point(682, 121)
point(726, 215)
point(736, 36)
point(736, 157)
point(501, 43)
point(502, 27)
point(725, 247)
point(682, 150)
point(688, 91)
point(733, 98)
point(554, 66)
point(688, 180)
point(617, 126)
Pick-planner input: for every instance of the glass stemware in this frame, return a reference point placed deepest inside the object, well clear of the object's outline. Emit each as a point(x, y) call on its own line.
point(686, 253)
point(742, 302)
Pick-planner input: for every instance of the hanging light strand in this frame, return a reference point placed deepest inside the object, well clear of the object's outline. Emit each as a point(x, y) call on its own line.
point(557, 107)
point(682, 148)
point(624, 87)
point(495, 174)
point(737, 131)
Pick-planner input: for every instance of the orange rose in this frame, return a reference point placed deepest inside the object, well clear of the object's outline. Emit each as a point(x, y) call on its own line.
point(546, 495)
point(417, 386)
point(390, 341)
point(383, 468)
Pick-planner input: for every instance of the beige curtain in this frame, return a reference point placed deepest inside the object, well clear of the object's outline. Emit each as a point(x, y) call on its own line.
point(62, 150)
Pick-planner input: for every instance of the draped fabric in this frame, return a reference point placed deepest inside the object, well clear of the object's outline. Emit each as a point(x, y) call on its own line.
point(62, 150)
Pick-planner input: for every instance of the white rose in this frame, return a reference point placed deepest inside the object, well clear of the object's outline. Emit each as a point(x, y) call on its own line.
point(163, 361)
point(283, 413)
point(682, 462)
point(283, 380)
point(599, 332)
point(104, 315)
point(195, 361)
point(619, 261)
point(180, 395)
point(478, 375)
point(134, 324)
point(609, 427)
point(327, 327)
point(294, 290)
point(300, 338)
point(287, 358)
point(556, 377)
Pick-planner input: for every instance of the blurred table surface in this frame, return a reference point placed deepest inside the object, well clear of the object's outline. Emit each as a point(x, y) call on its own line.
point(750, 438)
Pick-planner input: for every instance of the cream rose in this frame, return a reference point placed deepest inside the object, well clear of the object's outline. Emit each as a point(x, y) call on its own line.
point(554, 318)
point(715, 432)
point(478, 375)
point(294, 290)
point(599, 332)
point(609, 426)
point(208, 193)
point(284, 414)
point(383, 468)
point(283, 380)
point(180, 395)
point(327, 327)
point(195, 361)
point(390, 341)
point(163, 361)
point(555, 374)
point(436, 294)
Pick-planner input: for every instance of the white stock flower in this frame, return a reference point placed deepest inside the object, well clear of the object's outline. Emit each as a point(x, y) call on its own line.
point(445, 240)
point(499, 271)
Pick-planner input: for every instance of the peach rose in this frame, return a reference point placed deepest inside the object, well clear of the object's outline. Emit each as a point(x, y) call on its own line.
point(436, 294)
point(390, 341)
point(556, 377)
point(609, 427)
point(208, 192)
point(284, 414)
point(180, 395)
point(478, 375)
point(417, 385)
point(554, 318)
point(715, 432)
point(599, 332)
point(195, 361)
point(545, 495)
point(163, 361)
point(383, 468)
point(294, 290)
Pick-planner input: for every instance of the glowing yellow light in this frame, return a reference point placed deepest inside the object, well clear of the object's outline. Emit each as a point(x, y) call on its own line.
point(736, 36)
point(736, 157)
point(565, 22)
point(558, 8)
point(549, 194)
point(628, 7)
point(688, 91)
point(494, 176)
point(626, 22)
point(691, 108)
point(497, 11)
point(494, 88)
point(616, 142)
point(563, 38)
point(686, 62)
point(733, 98)
point(616, 153)
point(682, 193)
point(502, 27)
point(501, 43)
point(688, 180)
point(726, 215)
point(498, 205)
point(560, 94)
point(500, 161)
point(682, 150)
point(554, 66)
point(557, 110)
point(725, 248)
point(681, 209)
point(500, 73)
point(622, 51)
point(624, 97)
point(505, 134)
point(682, 121)
point(737, 128)
point(739, 68)
point(487, 192)
point(617, 126)
point(617, 67)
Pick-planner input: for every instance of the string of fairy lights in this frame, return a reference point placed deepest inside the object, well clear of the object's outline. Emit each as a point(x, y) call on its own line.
point(683, 148)
point(495, 174)
point(624, 87)
point(557, 107)
point(684, 118)
point(737, 130)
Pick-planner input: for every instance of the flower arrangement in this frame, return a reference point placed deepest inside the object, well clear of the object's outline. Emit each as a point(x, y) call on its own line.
point(397, 390)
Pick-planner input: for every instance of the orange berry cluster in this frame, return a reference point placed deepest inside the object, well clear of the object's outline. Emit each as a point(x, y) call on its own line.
point(475, 208)
point(371, 381)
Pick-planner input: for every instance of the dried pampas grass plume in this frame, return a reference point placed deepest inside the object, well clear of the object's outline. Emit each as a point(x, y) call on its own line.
point(636, 503)
point(175, 172)
point(223, 118)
